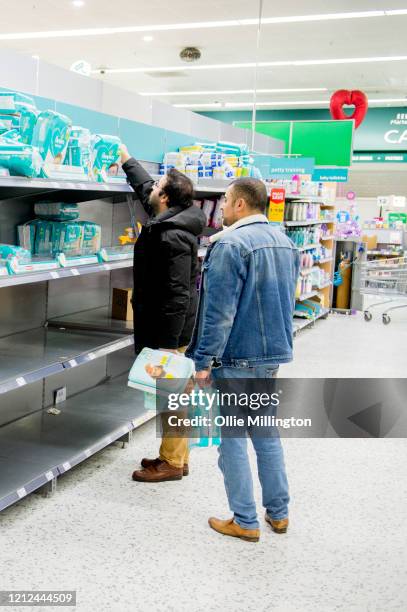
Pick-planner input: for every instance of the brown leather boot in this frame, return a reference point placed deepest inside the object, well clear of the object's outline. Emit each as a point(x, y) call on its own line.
point(147, 462)
point(230, 528)
point(158, 473)
point(278, 526)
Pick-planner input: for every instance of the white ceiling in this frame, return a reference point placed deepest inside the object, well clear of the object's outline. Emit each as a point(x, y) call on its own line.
point(367, 37)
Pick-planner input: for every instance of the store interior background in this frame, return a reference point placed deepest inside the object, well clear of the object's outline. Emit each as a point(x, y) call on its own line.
point(344, 553)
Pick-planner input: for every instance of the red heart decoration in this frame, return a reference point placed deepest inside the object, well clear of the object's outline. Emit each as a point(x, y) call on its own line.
point(356, 98)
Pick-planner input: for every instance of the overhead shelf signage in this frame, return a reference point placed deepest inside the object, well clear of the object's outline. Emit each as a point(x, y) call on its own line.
point(380, 158)
point(288, 167)
point(330, 175)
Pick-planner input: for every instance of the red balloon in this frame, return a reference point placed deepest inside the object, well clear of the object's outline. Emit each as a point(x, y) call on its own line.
point(355, 98)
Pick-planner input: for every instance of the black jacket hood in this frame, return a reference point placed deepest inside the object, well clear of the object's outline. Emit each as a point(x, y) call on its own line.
point(190, 219)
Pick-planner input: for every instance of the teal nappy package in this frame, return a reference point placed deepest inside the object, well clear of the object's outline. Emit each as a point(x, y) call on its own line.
point(28, 120)
point(43, 238)
point(9, 250)
point(56, 211)
point(51, 136)
point(15, 101)
point(92, 237)
point(71, 238)
point(19, 111)
point(104, 153)
point(79, 149)
point(20, 159)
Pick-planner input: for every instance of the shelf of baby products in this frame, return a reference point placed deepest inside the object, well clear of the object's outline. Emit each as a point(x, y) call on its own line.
point(309, 223)
point(40, 447)
point(54, 274)
point(42, 153)
point(57, 245)
point(31, 356)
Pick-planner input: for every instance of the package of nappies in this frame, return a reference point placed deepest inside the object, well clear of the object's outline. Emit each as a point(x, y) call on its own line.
point(105, 152)
point(28, 120)
point(155, 365)
point(10, 250)
point(26, 236)
point(92, 237)
point(11, 136)
point(15, 101)
point(79, 148)
point(51, 136)
point(20, 159)
point(56, 211)
point(71, 238)
point(43, 238)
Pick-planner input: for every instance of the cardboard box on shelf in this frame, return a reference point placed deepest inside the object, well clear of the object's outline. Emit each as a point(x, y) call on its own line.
point(121, 304)
point(371, 242)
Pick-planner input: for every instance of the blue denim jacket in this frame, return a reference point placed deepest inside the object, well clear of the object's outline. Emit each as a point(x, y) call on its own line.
point(247, 297)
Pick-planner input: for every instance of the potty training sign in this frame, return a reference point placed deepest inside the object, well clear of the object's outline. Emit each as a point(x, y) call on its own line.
point(288, 167)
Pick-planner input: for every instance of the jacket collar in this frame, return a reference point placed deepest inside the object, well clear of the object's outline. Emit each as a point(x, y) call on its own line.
point(164, 216)
point(259, 218)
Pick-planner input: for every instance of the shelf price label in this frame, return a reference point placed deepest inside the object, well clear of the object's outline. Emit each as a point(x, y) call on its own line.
point(276, 206)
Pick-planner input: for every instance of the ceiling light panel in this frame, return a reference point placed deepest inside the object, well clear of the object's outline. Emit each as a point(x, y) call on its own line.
point(230, 92)
point(200, 25)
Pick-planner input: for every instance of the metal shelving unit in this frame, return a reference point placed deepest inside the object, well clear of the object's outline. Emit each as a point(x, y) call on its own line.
point(95, 319)
point(38, 347)
point(307, 296)
point(302, 223)
point(64, 190)
point(302, 323)
point(40, 447)
point(31, 356)
point(48, 275)
point(308, 247)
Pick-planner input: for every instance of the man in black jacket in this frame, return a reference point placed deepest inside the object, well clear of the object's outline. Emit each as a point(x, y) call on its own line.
point(165, 293)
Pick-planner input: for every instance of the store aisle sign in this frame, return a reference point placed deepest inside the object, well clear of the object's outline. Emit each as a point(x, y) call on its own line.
point(277, 205)
point(381, 158)
point(330, 175)
point(287, 168)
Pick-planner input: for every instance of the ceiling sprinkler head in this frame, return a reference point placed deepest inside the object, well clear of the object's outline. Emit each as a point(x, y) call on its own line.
point(190, 54)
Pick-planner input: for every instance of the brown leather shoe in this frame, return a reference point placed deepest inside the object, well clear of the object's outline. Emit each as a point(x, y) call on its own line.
point(147, 462)
point(230, 528)
point(279, 526)
point(158, 473)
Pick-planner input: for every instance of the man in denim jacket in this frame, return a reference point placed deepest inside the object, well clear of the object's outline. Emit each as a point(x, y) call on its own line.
point(244, 330)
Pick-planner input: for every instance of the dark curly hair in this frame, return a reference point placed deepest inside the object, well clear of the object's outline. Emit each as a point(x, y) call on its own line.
point(179, 189)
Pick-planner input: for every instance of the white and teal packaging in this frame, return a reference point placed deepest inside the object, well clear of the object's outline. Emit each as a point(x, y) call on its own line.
point(78, 153)
point(91, 238)
point(105, 152)
point(174, 370)
point(51, 136)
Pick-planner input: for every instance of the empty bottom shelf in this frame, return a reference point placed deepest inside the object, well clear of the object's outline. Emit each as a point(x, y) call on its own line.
point(40, 447)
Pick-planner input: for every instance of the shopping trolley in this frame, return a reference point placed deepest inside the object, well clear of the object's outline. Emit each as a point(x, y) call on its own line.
point(387, 277)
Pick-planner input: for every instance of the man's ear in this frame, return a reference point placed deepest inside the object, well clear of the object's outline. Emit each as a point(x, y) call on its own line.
point(240, 203)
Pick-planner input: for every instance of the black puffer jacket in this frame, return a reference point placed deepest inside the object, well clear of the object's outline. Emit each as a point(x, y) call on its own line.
point(165, 269)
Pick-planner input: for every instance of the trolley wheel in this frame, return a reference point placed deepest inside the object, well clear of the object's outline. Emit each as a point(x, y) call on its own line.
point(386, 319)
point(368, 315)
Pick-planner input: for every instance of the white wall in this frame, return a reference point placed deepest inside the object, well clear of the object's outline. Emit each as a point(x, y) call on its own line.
point(38, 78)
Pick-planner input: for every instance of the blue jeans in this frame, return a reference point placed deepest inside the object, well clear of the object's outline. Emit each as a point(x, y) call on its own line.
point(234, 464)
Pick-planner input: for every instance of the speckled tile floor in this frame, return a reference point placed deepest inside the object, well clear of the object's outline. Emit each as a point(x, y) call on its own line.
point(126, 546)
